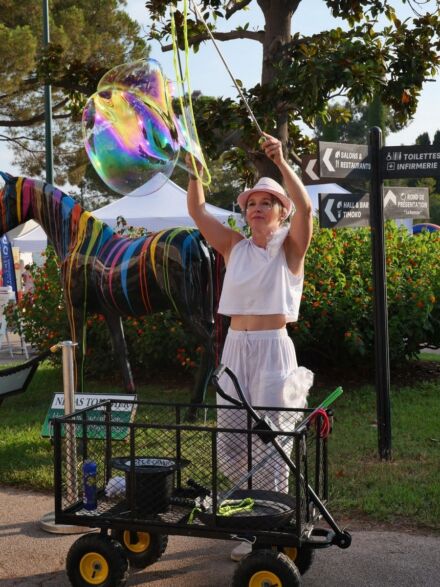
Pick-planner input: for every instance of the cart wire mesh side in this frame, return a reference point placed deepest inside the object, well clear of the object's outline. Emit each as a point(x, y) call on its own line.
point(161, 473)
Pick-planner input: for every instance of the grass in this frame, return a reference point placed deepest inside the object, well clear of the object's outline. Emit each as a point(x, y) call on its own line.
point(403, 491)
point(427, 356)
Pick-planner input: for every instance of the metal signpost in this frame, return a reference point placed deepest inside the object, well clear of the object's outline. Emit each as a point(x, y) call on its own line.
point(381, 338)
point(340, 161)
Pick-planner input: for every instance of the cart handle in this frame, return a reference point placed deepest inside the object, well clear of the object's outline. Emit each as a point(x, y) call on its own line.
point(243, 403)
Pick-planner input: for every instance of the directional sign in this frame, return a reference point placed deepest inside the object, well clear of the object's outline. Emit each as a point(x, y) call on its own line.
point(310, 170)
point(340, 160)
point(399, 202)
point(344, 210)
point(414, 161)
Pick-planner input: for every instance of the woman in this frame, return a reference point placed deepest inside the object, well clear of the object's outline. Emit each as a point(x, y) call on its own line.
point(261, 293)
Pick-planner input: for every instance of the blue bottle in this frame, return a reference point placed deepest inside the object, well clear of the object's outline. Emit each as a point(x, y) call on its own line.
point(89, 480)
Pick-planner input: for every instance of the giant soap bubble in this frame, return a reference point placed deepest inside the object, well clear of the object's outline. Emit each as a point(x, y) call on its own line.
point(130, 131)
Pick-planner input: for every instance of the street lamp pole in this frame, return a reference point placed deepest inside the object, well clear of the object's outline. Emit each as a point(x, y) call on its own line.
point(47, 101)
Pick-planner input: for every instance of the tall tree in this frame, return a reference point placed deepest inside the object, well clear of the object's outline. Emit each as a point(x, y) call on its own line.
point(87, 39)
point(301, 74)
point(423, 139)
point(351, 123)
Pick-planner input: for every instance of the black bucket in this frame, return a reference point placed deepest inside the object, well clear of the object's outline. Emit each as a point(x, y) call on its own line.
point(153, 482)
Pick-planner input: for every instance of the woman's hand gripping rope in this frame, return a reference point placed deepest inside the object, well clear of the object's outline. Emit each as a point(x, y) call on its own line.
point(195, 168)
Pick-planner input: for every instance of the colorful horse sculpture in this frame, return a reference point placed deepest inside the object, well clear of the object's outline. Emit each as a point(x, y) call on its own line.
point(118, 276)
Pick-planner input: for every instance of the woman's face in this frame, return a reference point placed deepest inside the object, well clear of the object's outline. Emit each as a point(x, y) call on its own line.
point(263, 209)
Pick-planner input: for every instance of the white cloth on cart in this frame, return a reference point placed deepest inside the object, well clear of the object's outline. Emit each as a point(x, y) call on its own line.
point(265, 365)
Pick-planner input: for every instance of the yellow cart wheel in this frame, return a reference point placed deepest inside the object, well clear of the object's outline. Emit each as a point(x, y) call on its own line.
point(93, 568)
point(97, 560)
point(266, 568)
point(142, 548)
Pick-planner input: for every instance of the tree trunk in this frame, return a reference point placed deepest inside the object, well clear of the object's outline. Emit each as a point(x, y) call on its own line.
point(278, 19)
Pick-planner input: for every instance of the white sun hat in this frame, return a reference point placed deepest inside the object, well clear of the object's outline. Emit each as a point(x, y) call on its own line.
point(270, 186)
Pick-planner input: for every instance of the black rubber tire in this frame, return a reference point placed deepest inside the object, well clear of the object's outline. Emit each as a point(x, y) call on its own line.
point(142, 555)
point(303, 557)
point(97, 553)
point(269, 566)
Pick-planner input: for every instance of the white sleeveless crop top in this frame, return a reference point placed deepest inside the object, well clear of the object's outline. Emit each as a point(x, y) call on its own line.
point(259, 284)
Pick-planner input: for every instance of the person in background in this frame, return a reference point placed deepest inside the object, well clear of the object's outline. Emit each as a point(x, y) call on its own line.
point(26, 278)
point(261, 293)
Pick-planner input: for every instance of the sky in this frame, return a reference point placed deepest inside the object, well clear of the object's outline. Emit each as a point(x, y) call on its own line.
point(209, 75)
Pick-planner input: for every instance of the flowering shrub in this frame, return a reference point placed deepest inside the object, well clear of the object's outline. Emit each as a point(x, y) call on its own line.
point(336, 325)
point(41, 313)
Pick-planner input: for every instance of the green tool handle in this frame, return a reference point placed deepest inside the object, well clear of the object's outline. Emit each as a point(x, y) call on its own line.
point(322, 406)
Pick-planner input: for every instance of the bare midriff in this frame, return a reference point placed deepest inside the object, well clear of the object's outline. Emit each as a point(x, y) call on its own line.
point(251, 322)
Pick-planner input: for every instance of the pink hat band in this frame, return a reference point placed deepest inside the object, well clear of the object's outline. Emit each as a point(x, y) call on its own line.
point(269, 186)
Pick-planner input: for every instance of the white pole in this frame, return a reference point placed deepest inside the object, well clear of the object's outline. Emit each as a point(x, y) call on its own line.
point(69, 408)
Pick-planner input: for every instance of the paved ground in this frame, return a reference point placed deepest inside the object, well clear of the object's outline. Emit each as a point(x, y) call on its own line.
point(31, 557)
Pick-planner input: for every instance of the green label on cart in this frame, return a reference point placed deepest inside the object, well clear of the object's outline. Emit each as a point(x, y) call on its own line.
point(123, 412)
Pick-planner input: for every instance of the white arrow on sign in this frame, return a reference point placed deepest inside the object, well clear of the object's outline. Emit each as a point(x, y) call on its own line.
point(389, 197)
point(328, 211)
point(309, 170)
point(326, 159)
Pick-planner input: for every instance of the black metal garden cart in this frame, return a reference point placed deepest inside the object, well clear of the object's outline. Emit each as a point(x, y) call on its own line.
point(162, 475)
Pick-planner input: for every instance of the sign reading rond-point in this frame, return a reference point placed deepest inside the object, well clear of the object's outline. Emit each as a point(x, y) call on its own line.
point(123, 410)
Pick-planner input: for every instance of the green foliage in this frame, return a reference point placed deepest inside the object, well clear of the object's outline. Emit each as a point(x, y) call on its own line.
point(423, 139)
point(336, 318)
point(41, 313)
point(434, 208)
point(348, 123)
point(302, 74)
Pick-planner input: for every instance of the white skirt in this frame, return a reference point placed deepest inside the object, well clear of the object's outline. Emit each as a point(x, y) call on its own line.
point(265, 364)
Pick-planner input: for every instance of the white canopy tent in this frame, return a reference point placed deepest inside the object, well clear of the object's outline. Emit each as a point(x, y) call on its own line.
point(163, 207)
point(21, 229)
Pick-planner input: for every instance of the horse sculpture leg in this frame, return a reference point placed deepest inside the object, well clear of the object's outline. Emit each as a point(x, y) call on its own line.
point(119, 346)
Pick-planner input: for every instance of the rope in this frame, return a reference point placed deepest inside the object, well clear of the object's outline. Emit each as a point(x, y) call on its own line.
point(181, 79)
point(325, 428)
point(228, 508)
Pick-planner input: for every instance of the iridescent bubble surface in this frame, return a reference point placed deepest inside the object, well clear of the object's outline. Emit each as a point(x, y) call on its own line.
point(129, 127)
